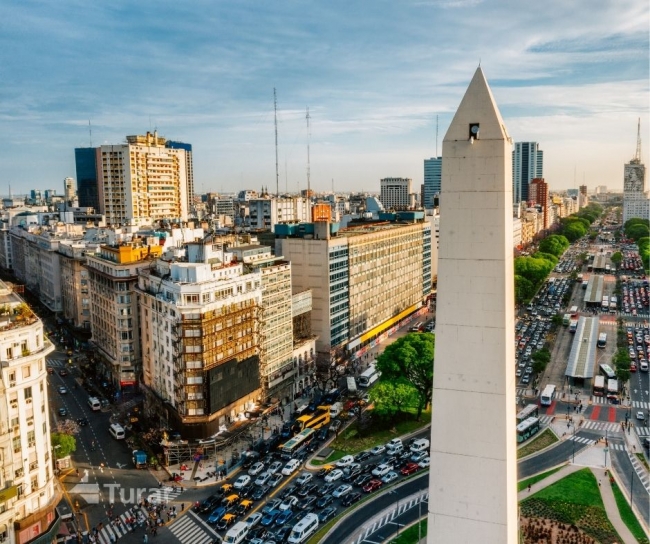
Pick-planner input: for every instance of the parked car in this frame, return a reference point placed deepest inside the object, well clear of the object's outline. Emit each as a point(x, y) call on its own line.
point(326, 514)
point(304, 478)
point(342, 490)
point(372, 485)
point(256, 469)
point(336, 474)
point(289, 503)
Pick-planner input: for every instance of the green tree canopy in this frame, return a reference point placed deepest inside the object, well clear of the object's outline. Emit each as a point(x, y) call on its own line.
point(410, 358)
point(636, 232)
point(554, 244)
point(635, 221)
point(545, 256)
point(616, 258)
point(63, 444)
point(524, 289)
point(392, 397)
point(534, 270)
point(574, 230)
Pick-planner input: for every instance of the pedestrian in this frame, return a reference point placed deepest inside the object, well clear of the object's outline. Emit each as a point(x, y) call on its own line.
point(145, 538)
point(77, 473)
point(182, 506)
point(528, 488)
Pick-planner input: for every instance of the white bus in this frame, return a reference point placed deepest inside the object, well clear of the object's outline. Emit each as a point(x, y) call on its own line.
point(369, 376)
point(605, 303)
point(303, 529)
point(548, 395)
point(602, 340)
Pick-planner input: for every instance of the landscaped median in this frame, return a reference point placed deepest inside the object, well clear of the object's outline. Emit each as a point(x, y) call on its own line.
point(542, 441)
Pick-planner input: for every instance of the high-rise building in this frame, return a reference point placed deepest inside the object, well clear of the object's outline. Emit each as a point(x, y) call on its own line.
point(86, 166)
point(527, 164)
point(475, 320)
point(432, 180)
point(69, 190)
point(538, 194)
point(583, 190)
point(29, 496)
point(265, 212)
point(395, 193)
point(189, 165)
point(636, 202)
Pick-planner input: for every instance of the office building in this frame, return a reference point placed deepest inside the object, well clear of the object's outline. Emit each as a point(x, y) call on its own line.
point(473, 474)
point(28, 495)
point(395, 193)
point(267, 211)
point(538, 194)
point(86, 167)
point(636, 200)
point(363, 278)
point(432, 180)
point(527, 164)
point(69, 191)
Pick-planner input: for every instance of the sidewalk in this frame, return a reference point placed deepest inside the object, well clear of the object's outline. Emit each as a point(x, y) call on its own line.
point(606, 493)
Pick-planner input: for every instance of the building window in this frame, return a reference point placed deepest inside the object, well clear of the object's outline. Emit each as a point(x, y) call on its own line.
point(16, 443)
point(19, 472)
point(28, 394)
point(31, 439)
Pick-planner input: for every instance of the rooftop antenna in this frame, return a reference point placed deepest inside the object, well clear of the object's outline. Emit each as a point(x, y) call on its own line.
point(437, 134)
point(637, 156)
point(277, 173)
point(308, 159)
point(90, 133)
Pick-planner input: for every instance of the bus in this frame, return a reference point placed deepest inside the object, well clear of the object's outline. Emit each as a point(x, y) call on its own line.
point(573, 326)
point(303, 529)
point(294, 446)
point(548, 395)
point(602, 340)
point(532, 410)
point(612, 389)
point(599, 386)
point(613, 302)
point(369, 376)
point(566, 319)
point(315, 421)
point(605, 303)
point(573, 311)
point(527, 428)
point(607, 371)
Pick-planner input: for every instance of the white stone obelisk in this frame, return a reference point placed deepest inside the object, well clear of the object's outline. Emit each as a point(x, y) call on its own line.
point(473, 473)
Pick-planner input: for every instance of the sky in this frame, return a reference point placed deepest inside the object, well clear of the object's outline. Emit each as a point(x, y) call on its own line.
point(376, 76)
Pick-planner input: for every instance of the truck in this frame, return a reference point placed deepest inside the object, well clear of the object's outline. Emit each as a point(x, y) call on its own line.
point(140, 459)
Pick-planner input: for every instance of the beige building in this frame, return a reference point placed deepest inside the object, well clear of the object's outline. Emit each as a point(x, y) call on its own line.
point(75, 287)
point(142, 181)
point(28, 496)
point(112, 278)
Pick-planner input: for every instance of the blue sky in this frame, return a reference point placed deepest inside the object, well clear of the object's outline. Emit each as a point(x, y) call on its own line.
point(375, 74)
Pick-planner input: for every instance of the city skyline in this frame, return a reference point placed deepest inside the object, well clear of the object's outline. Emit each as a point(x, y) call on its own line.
point(375, 81)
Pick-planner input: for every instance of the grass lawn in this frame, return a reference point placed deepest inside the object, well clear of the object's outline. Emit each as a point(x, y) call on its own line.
point(534, 479)
point(543, 440)
point(410, 535)
point(628, 516)
point(574, 500)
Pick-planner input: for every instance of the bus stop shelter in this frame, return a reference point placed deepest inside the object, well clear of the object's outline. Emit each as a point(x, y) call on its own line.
point(582, 359)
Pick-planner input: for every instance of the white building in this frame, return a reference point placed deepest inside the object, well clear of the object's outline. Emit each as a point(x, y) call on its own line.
point(395, 193)
point(636, 201)
point(265, 213)
point(28, 496)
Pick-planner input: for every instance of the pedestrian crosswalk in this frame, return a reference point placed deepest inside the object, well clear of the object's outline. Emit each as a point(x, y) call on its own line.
point(641, 472)
point(601, 426)
point(635, 403)
point(116, 529)
point(191, 529)
point(582, 439)
point(56, 363)
point(165, 494)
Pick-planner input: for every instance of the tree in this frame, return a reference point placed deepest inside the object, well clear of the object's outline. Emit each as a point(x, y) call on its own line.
point(546, 256)
point(541, 358)
point(637, 231)
point(554, 244)
point(63, 444)
point(410, 358)
point(524, 289)
point(616, 258)
point(392, 397)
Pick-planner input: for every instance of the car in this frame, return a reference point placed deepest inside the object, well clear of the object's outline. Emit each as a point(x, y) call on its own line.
point(390, 477)
point(287, 491)
point(275, 466)
point(50, 370)
point(345, 461)
point(270, 517)
point(425, 462)
point(259, 492)
point(341, 491)
point(82, 421)
point(325, 490)
point(242, 481)
point(282, 534)
point(307, 489)
point(63, 372)
point(335, 425)
point(410, 468)
point(362, 480)
point(632, 367)
point(378, 450)
point(382, 470)
point(350, 499)
point(290, 467)
point(640, 416)
point(362, 456)
point(285, 517)
point(418, 456)
point(254, 519)
point(62, 390)
point(307, 502)
point(274, 480)
point(216, 515)
point(243, 507)
point(288, 503)
point(518, 373)
point(336, 474)
point(370, 467)
point(226, 521)
point(256, 469)
point(327, 514)
point(324, 471)
point(322, 434)
point(304, 478)
point(263, 478)
point(324, 501)
point(272, 505)
point(63, 412)
point(352, 475)
point(372, 485)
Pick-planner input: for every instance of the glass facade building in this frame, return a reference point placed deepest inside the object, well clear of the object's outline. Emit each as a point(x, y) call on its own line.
point(86, 163)
point(432, 180)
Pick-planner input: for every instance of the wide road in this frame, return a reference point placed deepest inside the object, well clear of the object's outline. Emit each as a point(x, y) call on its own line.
point(630, 481)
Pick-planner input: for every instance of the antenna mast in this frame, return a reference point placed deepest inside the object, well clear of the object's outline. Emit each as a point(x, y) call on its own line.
point(90, 133)
point(436, 136)
point(308, 159)
point(637, 157)
point(277, 172)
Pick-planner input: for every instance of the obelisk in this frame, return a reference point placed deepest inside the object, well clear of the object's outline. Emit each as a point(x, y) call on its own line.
point(473, 473)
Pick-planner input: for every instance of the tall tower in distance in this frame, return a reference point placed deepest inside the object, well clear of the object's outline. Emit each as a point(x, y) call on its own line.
point(527, 164)
point(432, 180)
point(473, 474)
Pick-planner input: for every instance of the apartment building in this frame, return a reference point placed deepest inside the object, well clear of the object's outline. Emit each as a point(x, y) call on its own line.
point(75, 284)
point(267, 211)
point(28, 496)
point(395, 193)
point(112, 279)
point(363, 278)
point(200, 322)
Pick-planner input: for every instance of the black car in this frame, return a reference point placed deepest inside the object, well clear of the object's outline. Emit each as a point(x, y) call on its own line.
point(210, 503)
point(283, 533)
point(363, 456)
point(259, 492)
point(322, 434)
point(302, 513)
point(353, 475)
point(262, 533)
point(199, 506)
point(291, 490)
point(306, 490)
point(308, 501)
point(246, 491)
point(324, 501)
point(327, 514)
point(363, 479)
point(351, 498)
point(370, 467)
point(82, 422)
point(63, 412)
point(250, 458)
point(326, 489)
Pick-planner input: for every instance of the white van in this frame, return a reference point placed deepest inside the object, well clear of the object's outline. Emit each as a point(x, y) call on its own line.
point(395, 446)
point(94, 404)
point(303, 529)
point(420, 445)
point(237, 533)
point(117, 431)
point(336, 409)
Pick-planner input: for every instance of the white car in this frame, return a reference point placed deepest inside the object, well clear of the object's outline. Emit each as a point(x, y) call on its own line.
point(341, 491)
point(263, 478)
point(304, 478)
point(290, 467)
point(391, 476)
point(382, 470)
point(336, 474)
point(378, 450)
point(275, 466)
point(275, 479)
point(256, 469)
point(425, 462)
point(345, 461)
point(242, 481)
point(254, 519)
point(288, 503)
point(640, 416)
